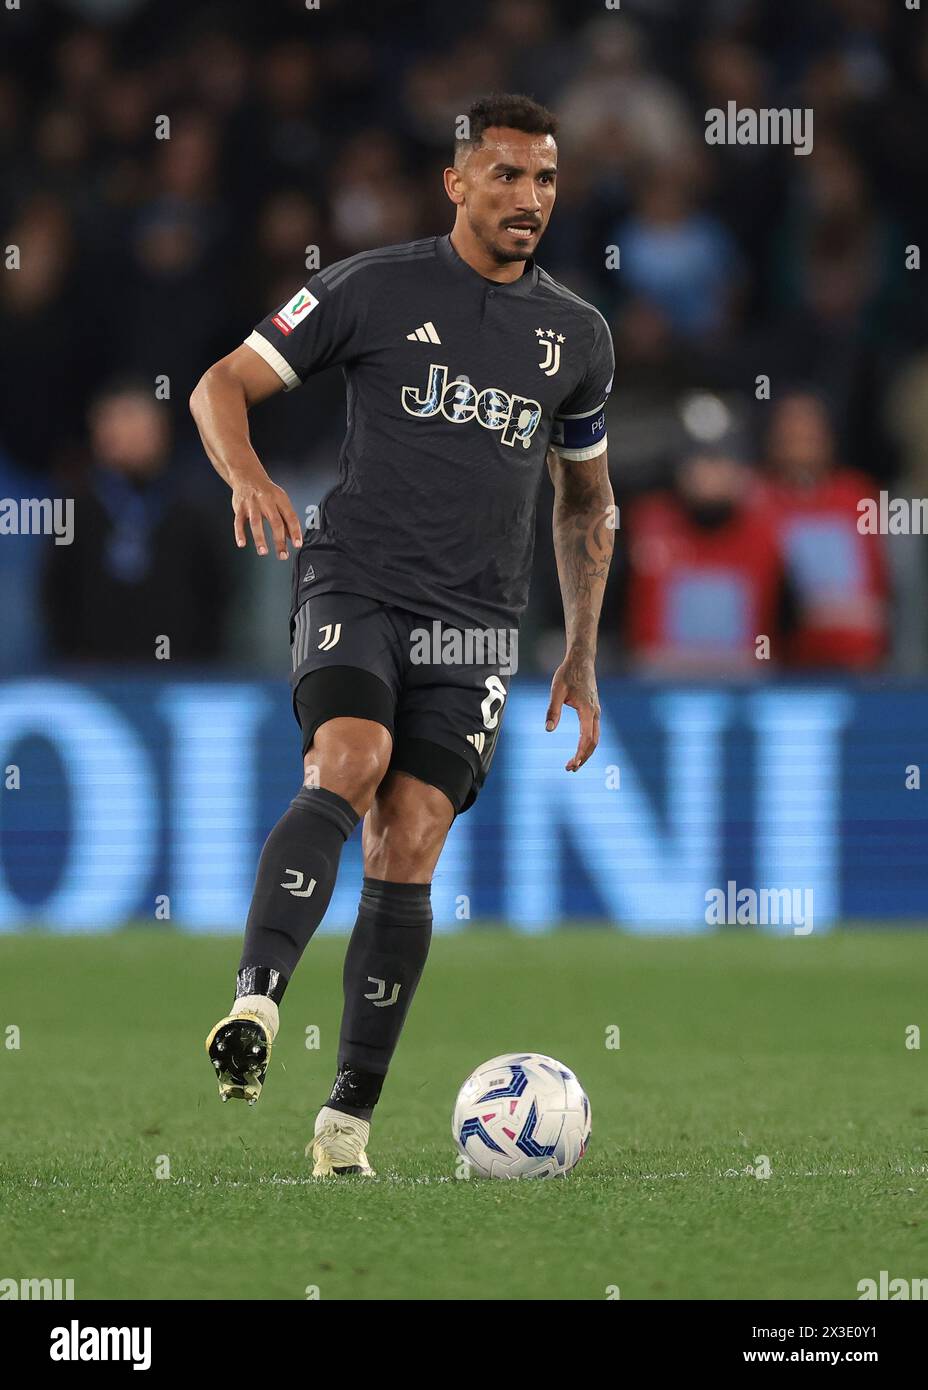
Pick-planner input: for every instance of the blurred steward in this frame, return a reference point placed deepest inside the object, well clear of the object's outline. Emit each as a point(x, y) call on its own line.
point(705, 579)
point(150, 557)
point(838, 578)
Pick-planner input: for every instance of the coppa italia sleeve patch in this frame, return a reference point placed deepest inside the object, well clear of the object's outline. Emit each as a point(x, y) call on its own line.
point(293, 313)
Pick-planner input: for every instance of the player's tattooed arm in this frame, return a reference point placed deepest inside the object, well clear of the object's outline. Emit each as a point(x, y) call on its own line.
point(219, 405)
point(584, 509)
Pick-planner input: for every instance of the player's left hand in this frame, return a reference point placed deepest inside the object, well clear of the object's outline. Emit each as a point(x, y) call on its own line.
point(574, 684)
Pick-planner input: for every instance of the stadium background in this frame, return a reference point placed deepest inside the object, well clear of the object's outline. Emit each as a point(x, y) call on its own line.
point(145, 781)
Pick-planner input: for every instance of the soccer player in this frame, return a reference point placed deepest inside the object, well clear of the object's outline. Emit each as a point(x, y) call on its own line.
point(465, 363)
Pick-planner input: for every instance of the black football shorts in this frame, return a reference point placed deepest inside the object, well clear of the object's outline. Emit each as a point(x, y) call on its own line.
point(352, 656)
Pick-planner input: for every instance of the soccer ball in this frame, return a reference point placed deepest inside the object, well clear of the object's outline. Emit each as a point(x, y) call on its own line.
point(522, 1115)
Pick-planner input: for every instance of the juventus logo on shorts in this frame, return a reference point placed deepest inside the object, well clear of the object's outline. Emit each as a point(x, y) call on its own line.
point(303, 635)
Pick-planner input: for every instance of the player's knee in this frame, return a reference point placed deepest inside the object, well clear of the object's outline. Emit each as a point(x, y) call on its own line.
point(355, 773)
point(351, 763)
point(406, 830)
point(400, 860)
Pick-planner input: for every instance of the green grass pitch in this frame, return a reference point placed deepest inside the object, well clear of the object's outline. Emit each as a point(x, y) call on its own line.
point(731, 1047)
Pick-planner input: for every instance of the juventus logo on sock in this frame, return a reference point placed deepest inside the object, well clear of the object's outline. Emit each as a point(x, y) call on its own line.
point(377, 998)
point(295, 886)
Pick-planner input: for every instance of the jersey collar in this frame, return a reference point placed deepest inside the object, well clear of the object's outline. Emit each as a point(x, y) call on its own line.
point(519, 288)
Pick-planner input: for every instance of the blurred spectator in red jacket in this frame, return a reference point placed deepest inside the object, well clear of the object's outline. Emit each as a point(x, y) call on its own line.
point(704, 571)
point(837, 578)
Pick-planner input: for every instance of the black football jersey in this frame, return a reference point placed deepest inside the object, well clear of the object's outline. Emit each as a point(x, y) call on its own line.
point(456, 387)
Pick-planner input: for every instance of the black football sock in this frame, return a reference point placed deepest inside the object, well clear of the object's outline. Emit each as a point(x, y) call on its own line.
point(296, 876)
point(384, 961)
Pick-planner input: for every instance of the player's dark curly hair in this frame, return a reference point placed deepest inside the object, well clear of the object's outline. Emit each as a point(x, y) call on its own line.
point(508, 109)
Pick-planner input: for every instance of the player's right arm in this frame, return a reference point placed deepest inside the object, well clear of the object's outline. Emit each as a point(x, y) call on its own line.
point(322, 325)
point(219, 404)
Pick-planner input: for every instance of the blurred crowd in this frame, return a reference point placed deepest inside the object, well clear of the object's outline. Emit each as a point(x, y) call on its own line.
point(142, 260)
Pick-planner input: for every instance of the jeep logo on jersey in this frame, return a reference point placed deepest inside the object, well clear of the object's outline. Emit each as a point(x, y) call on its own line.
point(516, 416)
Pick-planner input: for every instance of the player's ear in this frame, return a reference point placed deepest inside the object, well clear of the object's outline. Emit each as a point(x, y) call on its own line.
point(454, 185)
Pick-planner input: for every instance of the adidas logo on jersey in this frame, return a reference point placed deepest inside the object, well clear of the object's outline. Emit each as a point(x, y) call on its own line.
point(478, 740)
point(426, 334)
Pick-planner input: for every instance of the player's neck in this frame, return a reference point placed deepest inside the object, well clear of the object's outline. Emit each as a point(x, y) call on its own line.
point(474, 254)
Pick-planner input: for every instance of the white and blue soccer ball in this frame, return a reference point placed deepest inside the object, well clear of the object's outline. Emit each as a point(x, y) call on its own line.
point(522, 1115)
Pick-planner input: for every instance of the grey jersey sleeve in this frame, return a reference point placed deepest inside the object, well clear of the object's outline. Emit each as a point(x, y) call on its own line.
point(318, 328)
point(579, 430)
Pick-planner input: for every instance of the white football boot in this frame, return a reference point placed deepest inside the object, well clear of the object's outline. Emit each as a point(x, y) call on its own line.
point(338, 1144)
point(239, 1047)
